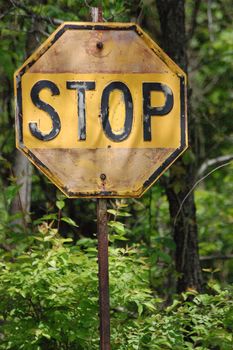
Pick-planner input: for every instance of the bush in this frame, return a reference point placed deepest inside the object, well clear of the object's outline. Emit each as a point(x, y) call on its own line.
point(49, 300)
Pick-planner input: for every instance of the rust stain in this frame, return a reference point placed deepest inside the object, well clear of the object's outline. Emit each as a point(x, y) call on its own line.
point(85, 57)
point(126, 170)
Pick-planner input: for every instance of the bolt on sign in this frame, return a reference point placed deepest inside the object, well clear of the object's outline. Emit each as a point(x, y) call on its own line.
point(101, 110)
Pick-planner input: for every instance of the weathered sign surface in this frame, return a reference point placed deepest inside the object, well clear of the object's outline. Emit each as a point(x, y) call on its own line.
point(101, 110)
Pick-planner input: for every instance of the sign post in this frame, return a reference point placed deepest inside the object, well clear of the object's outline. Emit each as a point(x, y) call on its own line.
point(101, 111)
point(102, 236)
point(102, 232)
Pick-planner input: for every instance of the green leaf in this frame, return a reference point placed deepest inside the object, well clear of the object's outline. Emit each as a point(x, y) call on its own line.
point(112, 211)
point(60, 204)
point(140, 309)
point(69, 221)
point(118, 226)
point(118, 237)
point(64, 240)
point(45, 218)
point(123, 213)
point(52, 263)
point(118, 213)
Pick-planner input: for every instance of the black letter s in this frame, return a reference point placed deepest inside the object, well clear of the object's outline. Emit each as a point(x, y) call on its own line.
point(40, 85)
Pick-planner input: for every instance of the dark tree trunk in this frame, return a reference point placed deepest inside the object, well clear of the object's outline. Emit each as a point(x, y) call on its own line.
point(181, 177)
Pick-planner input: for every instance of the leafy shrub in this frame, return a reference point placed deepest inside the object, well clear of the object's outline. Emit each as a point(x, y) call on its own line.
point(49, 300)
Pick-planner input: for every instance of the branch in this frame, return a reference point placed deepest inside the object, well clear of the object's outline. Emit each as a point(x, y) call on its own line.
point(49, 20)
point(194, 186)
point(210, 20)
point(5, 13)
point(211, 60)
point(5, 247)
point(213, 162)
point(216, 257)
point(194, 20)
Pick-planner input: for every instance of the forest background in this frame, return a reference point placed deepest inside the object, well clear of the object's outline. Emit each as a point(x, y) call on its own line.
point(170, 251)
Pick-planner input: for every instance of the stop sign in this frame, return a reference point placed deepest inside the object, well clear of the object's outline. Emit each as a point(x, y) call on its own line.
point(101, 110)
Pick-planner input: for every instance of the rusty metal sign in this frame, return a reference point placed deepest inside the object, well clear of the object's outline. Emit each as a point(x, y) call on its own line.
point(101, 110)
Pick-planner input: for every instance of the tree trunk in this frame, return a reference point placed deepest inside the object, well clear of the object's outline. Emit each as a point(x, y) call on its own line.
point(182, 175)
point(22, 172)
point(22, 167)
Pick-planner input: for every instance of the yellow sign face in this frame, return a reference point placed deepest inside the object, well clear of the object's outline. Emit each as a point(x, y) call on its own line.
point(96, 119)
point(164, 129)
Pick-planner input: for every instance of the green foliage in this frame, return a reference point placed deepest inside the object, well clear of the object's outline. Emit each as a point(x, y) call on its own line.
point(216, 225)
point(50, 292)
point(211, 73)
point(49, 296)
point(49, 301)
point(201, 324)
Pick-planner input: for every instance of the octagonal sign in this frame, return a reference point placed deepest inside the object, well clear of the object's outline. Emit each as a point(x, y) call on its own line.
point(101, 110)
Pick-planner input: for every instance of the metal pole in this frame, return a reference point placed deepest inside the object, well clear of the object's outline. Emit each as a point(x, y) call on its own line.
point(96, 14)
point(102, 234)
point(102, 228)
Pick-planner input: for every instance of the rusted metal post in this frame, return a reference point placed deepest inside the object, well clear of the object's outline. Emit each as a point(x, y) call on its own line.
point(96, 14)
point(102, 229)
point(102, 234)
